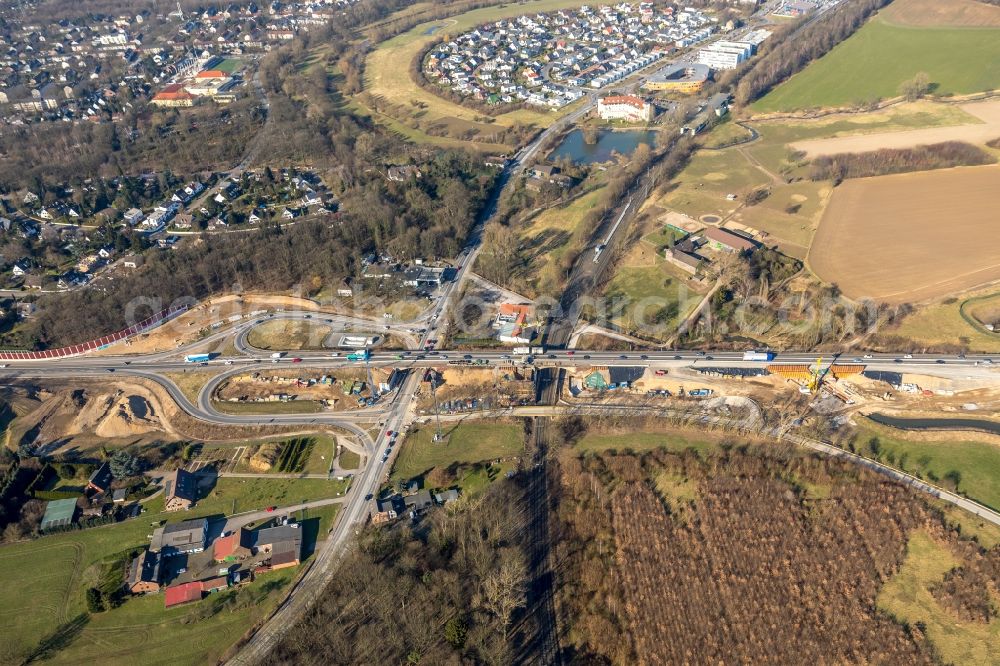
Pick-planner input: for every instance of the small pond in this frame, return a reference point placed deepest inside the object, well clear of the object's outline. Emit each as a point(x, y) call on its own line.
point(608, 142)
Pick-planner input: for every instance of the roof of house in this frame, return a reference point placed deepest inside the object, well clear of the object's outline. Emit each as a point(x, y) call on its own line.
point(145, 568)
point(182, 594)
point(418, 500)
point(101, 478)
point(227, 545)
point(180, 484)
point(198, 524)
point(728, 238)
point(217, 583)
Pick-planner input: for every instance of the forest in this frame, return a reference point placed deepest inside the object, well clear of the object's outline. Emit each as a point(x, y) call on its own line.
point(751, 553)
point(446, 589)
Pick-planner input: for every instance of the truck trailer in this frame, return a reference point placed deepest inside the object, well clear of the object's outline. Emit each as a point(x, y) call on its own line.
point(758, 356)
point(197, 358)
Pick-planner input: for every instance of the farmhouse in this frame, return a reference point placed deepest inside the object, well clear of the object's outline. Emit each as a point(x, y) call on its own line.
point(58, 513)
point(144, 574)
point(685, 255)
point(187, 536)
point(625, 107)
point(282, 543)
point(231, 547)
point(180, 490)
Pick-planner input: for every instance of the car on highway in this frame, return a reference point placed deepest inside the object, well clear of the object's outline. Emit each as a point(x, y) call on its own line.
point(111, 369)
point(586, 357)
point(467, 357)
point(644, 357)
point(229, 362)
point(271, 509)
point(907, 355)
point(388, 433)
point(387, 452)
point(677, 357)
point(444, 356)
point(570, 353)
point(384, 458)
point(296, 360)
point(503, 356)
point(623, 357)
point(868, 355)
point(335, 355)
point(399, 357)
point(552, 355)
point(309, 316)
point(369, 497)
point(940, 360)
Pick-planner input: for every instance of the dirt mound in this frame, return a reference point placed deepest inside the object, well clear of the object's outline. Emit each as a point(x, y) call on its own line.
point(264, 457)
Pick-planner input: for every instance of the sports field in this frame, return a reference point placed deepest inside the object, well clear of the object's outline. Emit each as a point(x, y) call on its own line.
point(387, 77)
point(872, 64)
point(910, 237)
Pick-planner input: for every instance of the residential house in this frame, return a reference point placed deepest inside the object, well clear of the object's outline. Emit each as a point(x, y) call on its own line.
point(418, 501)
point(216, 584)
point(180, 490)
point(133, 261)
point(403, 173)
point(100, 480)
point(133, 216)
point(144, 573)
point(446, 497)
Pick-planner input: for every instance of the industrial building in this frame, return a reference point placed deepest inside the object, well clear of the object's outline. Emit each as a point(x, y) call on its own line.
point(725, 54)
point(680, 78)
point(625, 107)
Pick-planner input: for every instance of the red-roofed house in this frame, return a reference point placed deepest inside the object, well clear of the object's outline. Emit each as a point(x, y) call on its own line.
point(185, 593)
point(229, 548)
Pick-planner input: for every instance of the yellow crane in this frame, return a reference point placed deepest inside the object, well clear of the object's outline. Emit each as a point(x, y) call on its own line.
point(816, 374)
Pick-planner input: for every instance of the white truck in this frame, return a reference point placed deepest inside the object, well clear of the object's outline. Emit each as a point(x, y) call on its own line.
point(521, 351)
point(758, 356)
point(277, 355)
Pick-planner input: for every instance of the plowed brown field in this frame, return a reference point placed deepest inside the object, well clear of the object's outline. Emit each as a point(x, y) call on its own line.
point(911, 237)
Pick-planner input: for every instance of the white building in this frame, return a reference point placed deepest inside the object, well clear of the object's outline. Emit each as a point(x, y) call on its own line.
point(625, 107)
point(725, 55)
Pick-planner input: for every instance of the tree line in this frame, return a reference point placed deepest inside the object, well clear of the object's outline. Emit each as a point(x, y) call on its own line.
point(898, 160)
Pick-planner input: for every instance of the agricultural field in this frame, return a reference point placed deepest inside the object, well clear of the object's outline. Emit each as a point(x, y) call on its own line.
point(469, 449)
point(388, 79)
point(42, 585)
point(936, 14)
point(984, 126)
point(878, 58)
point(289, 334)
point(873, 239)
point(694, 544)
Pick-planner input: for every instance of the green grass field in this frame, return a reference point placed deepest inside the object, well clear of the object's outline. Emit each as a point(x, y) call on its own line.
point(653, 300)
point(977, 462)
point(349, 460)
point(907, 597)
point(466, 444)
point(42, 585)
point(879, 57)
point(672, 439)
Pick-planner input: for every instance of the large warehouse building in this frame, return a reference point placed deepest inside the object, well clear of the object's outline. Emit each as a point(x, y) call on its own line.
point(725, 55)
